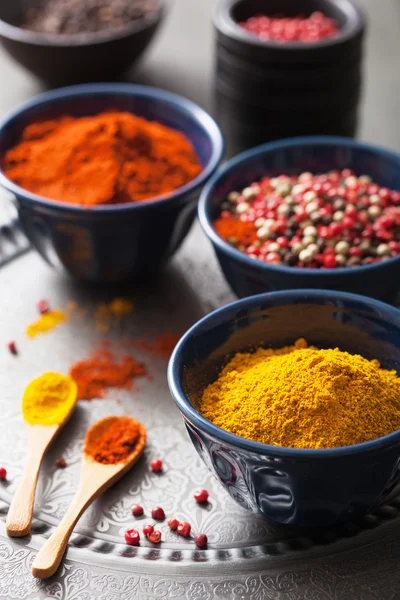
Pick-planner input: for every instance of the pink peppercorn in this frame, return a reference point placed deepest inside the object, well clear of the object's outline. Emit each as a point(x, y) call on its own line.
point(43, 306)
point(158, 513)
point(355, 251)
point(201, 496)
point(137, 510)
point(292, 29)
point(147, 529)
point(132, 537)
point(173, 523)
point(329, 261)
point(155, 536)
point(273, 257)
point(12, 348)
point(394, 246)
point(282, 241)
point(201, 540)
point(156, 465)
point(184, 529)
point(3, 473)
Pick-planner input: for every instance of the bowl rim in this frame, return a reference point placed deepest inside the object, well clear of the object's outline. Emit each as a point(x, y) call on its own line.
point(226, 25)
point(36, 38)
point(204, 120)
point(191, 414)
point(233, 163)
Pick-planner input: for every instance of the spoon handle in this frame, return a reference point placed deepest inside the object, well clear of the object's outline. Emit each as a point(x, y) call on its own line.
point(95, 479)
point(49, 556)
point(19, 516)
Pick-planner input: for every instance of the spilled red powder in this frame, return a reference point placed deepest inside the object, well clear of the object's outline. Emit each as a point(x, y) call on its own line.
point(100, 371)
point(162, 345)
point(165, 343)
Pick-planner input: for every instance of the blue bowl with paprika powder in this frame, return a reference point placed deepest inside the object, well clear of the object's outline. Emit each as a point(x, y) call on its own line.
point(318, 154)
point(116, 242)
point(304, 487)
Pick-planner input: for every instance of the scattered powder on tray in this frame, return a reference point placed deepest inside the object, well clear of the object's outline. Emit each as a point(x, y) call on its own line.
point(162, 345)
point(100, 371)
point(46, 322)
point(165, 343)
point(106, 314)
point(73, 307)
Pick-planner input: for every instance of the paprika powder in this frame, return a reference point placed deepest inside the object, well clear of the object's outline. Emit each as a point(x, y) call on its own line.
point(113, 439)
point(100, 371)
point(109, 158)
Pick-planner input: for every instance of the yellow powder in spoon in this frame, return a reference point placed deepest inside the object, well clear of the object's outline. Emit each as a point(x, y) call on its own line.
point(49, 399)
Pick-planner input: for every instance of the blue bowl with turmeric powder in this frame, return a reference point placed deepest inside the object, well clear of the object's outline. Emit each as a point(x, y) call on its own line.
point(293, 486)
point(115, 242)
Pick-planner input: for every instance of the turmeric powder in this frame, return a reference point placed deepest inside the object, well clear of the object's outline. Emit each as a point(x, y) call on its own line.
point(46, 322)
point(49, 399)
point(302, 397)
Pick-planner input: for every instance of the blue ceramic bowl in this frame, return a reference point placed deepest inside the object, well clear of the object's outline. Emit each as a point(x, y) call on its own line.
point(319, 154)
point(289, 485)
point(116, 242)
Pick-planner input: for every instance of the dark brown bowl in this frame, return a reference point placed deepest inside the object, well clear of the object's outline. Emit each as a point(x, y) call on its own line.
point(64, 59)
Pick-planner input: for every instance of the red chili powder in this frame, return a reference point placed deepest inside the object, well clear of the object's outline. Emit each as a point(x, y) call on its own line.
point(165, 343)
point(162, 345)
point(236, 231)
point(100, 371)
point(112, 440)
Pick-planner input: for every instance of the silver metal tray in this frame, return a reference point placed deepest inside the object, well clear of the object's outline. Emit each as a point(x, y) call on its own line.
point(247, 557)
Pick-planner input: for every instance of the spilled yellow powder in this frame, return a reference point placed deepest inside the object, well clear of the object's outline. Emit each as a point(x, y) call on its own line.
point(46, 322)
point(72, 305)
point(302, 397)
point(114, 311)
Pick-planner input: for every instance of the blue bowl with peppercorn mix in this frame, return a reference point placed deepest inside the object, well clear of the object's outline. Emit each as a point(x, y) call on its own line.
point(251, 275)
point(305, 487)
point(118, 242)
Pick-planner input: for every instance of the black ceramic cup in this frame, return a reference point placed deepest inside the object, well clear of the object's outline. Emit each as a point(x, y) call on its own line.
point(266, 90)
point(230, 13)
point(335, 77)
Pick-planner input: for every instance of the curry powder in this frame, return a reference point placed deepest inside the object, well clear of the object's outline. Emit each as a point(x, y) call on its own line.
point(302, 397)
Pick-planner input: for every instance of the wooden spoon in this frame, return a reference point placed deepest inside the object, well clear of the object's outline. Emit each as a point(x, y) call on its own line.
point(96, 477)
point(39, 436)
